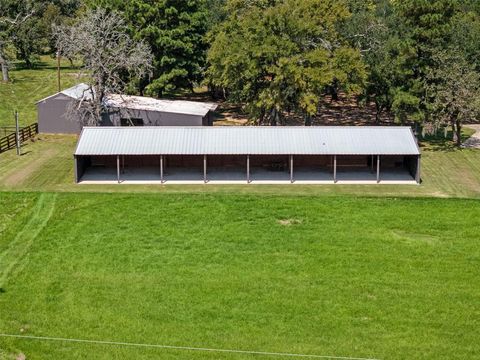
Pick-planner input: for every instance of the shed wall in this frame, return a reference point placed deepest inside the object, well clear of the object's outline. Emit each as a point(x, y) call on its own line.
point(52, 116)
point(154, 118)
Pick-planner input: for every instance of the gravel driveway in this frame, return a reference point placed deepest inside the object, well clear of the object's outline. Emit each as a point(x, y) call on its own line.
point(474, 141)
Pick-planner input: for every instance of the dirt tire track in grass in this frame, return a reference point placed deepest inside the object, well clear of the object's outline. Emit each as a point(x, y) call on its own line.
point(11, 259)
point(20, 175)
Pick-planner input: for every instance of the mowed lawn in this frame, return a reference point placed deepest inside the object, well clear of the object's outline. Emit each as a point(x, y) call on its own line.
point(27, 86)
point(384, 278)
point(47, 165)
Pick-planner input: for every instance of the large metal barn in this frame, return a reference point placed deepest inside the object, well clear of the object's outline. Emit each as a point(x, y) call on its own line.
point(247, 155)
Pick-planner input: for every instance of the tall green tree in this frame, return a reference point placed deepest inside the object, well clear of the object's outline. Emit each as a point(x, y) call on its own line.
point(13, 15)
point(454, 90)
point(175, 31)
point(278, 56)
point(427, 27)
point(25, 26)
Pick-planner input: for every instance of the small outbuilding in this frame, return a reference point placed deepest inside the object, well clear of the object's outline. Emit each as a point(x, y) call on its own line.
point(229, 155)
point(124, 110)
point(52, 111)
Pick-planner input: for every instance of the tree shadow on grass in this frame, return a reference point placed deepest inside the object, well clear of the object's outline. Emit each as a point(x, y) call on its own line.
point(439, 142)
point(42, 65)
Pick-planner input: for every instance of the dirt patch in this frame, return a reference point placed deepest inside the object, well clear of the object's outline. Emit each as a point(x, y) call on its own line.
point(230, 114)
point(20, 175)
point(415, 238)
point(289, 222)
point(347, 111)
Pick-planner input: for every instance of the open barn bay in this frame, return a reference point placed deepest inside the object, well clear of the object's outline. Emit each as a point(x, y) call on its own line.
point(384, 278)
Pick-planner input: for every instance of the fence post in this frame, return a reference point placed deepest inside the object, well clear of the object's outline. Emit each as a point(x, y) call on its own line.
point(17, 132)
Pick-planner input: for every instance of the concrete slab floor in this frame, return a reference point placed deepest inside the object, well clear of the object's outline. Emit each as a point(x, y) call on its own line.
point(237, 176)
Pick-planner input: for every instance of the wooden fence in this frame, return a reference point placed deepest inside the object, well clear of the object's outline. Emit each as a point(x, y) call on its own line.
point(10, 141)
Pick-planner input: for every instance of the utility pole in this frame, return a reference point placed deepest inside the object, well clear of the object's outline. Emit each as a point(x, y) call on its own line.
point(58, 71)
point(17, 133)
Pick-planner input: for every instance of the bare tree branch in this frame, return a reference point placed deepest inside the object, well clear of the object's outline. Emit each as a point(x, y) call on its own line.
point(109, 55)
point(19, 19)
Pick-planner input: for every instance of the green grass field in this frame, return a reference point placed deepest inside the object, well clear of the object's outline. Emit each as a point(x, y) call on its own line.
point(47, 165)
point(30, 85)
point(384, 278)
point(384, 272)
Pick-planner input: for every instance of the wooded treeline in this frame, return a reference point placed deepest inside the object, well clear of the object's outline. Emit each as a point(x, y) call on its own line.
point(417, 59)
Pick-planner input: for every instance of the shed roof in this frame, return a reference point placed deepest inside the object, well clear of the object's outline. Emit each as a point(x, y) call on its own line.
point(83, 92)
point(243, 140)
point(79, 92)
point(152, 104)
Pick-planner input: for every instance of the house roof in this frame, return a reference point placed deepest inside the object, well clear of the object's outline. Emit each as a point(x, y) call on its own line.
point(152, 104)
point(244, 140)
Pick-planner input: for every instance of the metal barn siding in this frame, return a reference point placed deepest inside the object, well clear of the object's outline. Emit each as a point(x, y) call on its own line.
point(154, 112)
point(154, 118)
point(52, 118)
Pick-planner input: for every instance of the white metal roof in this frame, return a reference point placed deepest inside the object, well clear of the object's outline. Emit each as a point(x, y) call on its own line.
point(79, 92)
point(243, 140)
point(152, 104)
point(83, 92)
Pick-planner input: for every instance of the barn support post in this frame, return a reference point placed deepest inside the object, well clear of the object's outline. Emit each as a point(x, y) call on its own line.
point(291, 169)
point(161, 169)
point(77, 180)
point(335, 169)
point(248, 169)
point(123, 164)
point(118, 169)
point(378, 169)
point(418, 173)
point(205, 169)
point(372, 163)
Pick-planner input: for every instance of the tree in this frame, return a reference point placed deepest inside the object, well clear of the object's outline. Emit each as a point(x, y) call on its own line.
point(454, 91)
point(29, 40)
point(465, 34)
point(25, 27)
point(175, 30)
point(426, 27)
point(278, 56)
point(216, 12)
point(109, 56)
point(57, 12)
point(370, 29)
point(13, 15)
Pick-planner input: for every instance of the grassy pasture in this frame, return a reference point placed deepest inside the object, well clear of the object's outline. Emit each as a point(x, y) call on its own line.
point(30, 85)
point(386, 278)
point(390, 272)
point(47, 165)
